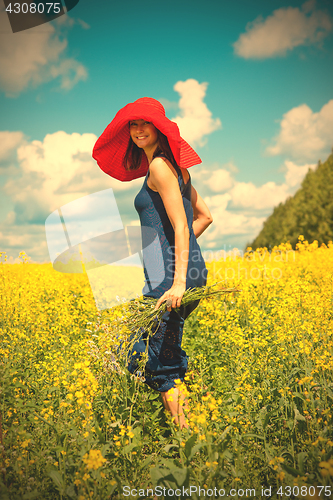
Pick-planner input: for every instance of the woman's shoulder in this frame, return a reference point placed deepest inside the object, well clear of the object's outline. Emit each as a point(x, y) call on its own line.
point(162, 167)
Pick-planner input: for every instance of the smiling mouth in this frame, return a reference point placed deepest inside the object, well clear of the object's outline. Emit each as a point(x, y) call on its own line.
point(142, 137)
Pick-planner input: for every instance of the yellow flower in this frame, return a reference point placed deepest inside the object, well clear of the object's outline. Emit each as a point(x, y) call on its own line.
point(94, 460)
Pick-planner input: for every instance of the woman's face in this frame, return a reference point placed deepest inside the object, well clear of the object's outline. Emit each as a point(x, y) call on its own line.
point(143, 133)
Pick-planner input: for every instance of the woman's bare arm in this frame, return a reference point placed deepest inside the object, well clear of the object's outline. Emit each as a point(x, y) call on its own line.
point(202, 217)
point(167, 185)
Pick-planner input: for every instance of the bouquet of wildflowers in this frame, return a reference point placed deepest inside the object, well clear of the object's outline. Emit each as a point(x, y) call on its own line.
point(141, 312)
point(133, 318)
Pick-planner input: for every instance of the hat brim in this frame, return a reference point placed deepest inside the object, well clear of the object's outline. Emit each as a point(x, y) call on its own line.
point(111, 146)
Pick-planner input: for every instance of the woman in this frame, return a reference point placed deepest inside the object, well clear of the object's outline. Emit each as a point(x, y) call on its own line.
point(140, 141)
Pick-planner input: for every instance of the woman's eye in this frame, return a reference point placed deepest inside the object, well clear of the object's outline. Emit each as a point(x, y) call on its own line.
point(135, 124)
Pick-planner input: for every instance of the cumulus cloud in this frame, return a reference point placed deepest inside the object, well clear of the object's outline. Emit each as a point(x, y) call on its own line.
point(46, 175)
point(59, 169)
point(230, 227)
point(240, 209)
point(9, 141)
point(281, 32)
point(228, 223)
point(219, 180)
point(247, 195)
point(295, 173)
point(70, 72)
point(35, 56)
point(240, 213)
point(304, 135)
point(216, 179)
point(195, 120)
point(218, 202)
point(54, 172)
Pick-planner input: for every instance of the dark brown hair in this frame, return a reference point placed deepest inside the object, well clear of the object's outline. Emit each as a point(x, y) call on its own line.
point(133, 155)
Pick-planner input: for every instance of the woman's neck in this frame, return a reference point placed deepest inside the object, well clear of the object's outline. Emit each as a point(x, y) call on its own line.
point(150, 153)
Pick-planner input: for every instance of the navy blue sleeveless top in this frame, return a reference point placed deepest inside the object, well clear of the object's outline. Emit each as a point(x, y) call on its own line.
point(158, 240)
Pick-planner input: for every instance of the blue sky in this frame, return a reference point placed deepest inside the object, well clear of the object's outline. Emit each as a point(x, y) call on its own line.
point(249, 84)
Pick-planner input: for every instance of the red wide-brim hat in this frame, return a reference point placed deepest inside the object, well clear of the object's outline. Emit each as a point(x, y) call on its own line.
point(111, 146)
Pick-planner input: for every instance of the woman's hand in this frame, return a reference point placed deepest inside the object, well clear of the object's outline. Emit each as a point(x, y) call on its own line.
point(175, 294)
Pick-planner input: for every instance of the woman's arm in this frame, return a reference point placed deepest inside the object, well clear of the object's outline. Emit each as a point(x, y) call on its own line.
point(202, 217)
point(163, 178)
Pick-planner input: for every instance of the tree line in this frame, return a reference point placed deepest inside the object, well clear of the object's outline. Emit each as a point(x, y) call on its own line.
point(309, 212)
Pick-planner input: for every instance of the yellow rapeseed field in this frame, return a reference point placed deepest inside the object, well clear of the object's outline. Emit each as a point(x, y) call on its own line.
point(75, 424)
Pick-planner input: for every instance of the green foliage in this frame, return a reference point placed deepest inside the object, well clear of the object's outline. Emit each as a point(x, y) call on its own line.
point(309, 212)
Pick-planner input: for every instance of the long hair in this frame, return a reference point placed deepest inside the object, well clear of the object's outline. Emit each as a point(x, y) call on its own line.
point(133, 155)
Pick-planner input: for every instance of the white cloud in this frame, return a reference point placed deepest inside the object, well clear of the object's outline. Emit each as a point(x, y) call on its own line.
point(59, 169)
point(216, 179)
point(230, 223)
point(247, 195)
point(195, 119)
point(51, 173)
point(296, 173)
point(219, 180)
point(9, 141)
point(35, 56)
point(70, 72)
point(218, 202)
point(284, 30)
point(54, 172)
point(229, 227)
point(304, 135)
point(47, 175)
point(239, 213)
